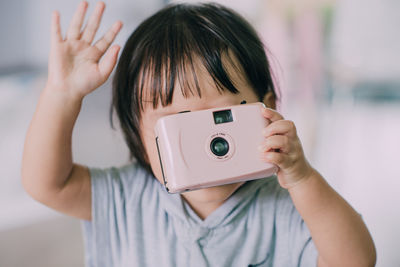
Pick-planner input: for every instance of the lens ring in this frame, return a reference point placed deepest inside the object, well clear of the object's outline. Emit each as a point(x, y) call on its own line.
point(219, 146)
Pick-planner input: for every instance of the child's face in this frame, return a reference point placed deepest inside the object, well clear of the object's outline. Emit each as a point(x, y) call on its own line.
point(210, 98)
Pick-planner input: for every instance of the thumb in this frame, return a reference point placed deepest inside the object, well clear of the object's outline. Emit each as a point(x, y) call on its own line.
point(107, 63)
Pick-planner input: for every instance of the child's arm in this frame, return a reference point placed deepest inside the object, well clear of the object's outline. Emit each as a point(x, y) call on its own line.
point(340, 235)
point(74, 70)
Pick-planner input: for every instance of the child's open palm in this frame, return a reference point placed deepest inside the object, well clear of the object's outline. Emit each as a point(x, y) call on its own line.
point(74, 63)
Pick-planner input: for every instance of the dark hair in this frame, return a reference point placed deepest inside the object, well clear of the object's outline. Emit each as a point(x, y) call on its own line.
point(162, 48)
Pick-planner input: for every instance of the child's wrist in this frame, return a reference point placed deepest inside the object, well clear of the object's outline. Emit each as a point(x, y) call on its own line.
point(312, 175)
point(62, 92)
point(60, 102)
point(289, 186)
point(310, 172)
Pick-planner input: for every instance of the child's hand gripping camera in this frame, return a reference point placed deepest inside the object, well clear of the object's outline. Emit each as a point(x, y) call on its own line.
point(211, 147)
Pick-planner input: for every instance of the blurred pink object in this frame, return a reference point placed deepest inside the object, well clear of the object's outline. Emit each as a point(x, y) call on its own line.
point(293, 34)
point(212, 147)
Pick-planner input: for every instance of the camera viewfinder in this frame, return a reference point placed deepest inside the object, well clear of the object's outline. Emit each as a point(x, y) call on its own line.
point(222, 116)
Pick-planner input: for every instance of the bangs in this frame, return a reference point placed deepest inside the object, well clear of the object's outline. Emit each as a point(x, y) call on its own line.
point(173, 55)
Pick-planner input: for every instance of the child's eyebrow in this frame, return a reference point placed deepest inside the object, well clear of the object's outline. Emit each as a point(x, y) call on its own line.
point(166, 112)
point(163, 112)
point(170, 112)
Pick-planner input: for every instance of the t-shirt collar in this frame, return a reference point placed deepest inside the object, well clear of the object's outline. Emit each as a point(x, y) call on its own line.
point(235, 206)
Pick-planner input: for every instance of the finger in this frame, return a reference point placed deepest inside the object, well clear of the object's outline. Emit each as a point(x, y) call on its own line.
point(107, 64)
point(93, 24)
point(281, 127)
point(274, 143)
point(55, 28)
point(104, 43)
point(74, 29)
point(279, 159)
point(271, 114)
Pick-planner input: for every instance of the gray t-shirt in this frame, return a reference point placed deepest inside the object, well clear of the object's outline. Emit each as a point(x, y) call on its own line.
point(135, 222)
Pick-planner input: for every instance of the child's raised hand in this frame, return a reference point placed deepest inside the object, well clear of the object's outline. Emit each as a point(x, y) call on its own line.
point(74, 63)
point(283, 148)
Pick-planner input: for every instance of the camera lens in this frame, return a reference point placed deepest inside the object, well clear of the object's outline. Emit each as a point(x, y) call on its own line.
point(219, 146)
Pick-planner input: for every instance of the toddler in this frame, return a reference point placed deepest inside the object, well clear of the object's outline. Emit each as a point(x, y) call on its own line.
point(184, 57)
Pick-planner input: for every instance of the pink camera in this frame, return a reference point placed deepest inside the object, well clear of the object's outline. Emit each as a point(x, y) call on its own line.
point(211, 147)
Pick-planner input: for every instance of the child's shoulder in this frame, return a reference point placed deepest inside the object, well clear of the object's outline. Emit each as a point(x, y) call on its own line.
point(126, 172)
point(124, 181)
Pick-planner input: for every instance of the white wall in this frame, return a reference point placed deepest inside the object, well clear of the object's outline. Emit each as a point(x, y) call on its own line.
point(25, 25)
point(366, 40)
point(12, 34)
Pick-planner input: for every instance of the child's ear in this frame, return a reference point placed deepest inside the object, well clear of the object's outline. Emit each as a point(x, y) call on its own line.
point(269, 100)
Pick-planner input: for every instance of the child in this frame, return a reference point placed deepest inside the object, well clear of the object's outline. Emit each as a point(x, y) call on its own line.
point(185, 57)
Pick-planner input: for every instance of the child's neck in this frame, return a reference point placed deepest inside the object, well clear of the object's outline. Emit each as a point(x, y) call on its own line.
point(203, 209)
point(205, 201)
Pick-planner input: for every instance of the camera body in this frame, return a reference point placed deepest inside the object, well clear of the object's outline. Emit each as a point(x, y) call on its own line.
point(211, 147)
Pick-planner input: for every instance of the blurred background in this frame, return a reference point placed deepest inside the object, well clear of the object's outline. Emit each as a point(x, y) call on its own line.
point(337, 64)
